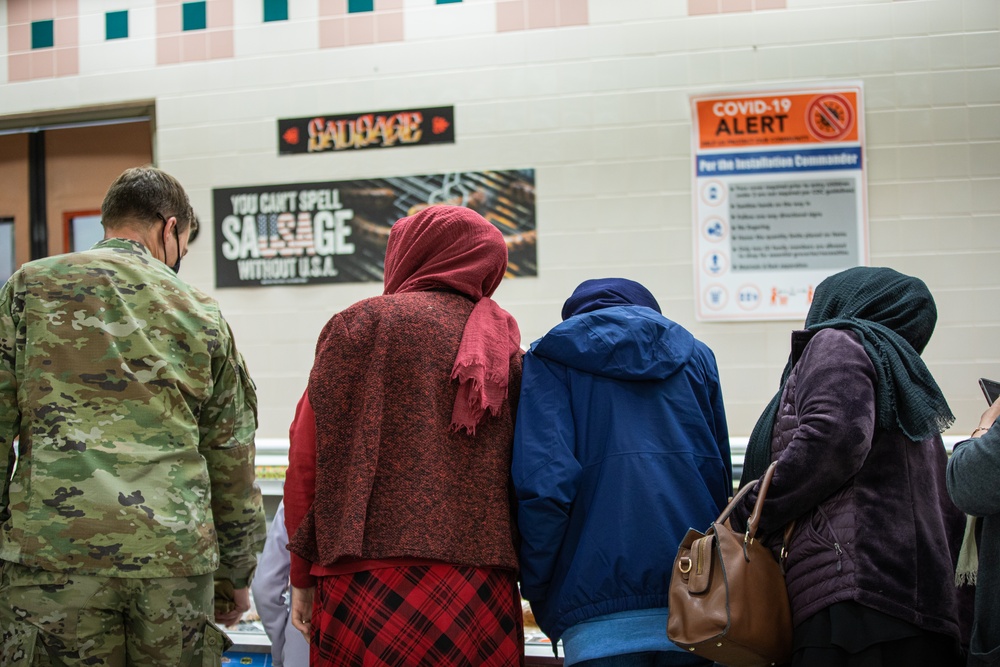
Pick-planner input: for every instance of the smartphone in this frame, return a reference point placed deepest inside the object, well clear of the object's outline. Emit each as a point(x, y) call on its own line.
point(991, 389)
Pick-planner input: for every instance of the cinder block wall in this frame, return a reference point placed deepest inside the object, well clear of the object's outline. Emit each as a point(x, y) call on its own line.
point(592, 94)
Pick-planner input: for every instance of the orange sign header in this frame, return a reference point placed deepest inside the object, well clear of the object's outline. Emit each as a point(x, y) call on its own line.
point(777, 119)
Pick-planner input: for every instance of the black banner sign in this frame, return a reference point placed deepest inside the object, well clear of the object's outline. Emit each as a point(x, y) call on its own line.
point(336, 232)
point(373, 129)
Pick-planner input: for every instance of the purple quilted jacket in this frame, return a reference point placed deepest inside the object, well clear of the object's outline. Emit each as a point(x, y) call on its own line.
point(874, 520)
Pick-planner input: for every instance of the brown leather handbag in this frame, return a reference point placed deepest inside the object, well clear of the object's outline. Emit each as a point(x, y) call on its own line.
point(728, 600)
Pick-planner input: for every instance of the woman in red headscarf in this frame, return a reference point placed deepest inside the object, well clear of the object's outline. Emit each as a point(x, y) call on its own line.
point(397, 495)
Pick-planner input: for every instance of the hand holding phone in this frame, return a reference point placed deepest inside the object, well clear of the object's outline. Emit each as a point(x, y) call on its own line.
point(991, 390)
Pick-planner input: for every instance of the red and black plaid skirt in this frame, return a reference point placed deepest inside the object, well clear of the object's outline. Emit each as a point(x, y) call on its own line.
point(432, 615)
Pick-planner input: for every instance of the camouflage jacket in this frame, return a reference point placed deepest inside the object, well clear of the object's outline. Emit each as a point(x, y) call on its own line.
point(134, 418)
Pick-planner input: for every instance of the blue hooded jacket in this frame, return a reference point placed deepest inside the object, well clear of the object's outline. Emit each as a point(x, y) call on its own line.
point(620, 446)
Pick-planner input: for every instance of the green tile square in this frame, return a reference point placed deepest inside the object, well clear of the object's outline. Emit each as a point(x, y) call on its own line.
point(355, 6)
point(195, 16)
point(275, 10)
point(447, 2)
point(116, 25)
point(42, 34)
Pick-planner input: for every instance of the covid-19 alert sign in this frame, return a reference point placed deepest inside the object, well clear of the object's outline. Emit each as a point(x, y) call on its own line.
point(780, 198)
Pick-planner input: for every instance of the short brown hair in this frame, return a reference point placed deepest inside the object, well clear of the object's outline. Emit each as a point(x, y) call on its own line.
point(142, 192)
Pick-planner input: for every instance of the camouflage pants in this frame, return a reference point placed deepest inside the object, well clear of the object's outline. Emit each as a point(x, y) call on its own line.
point(54, 619)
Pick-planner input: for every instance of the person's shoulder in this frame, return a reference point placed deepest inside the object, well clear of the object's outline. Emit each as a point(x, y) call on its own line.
point(87, 270)
point(53, 267)
point(407, 305)
point(356, 319)
point(702, 352)
point(844, 339)
point(361, 311)
point(423, 298)
point(834, 348)
point(196, 294)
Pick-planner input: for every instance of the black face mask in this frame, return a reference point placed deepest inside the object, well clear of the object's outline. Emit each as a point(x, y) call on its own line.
point(176, 266)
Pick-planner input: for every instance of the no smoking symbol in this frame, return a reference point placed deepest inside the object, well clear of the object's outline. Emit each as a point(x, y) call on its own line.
point(830, 117)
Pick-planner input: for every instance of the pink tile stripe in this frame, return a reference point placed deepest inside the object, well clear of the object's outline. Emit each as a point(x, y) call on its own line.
point(701, 7)
point(62, 59)
point(698, 7)
point(338, 28)
point(174, 45)
point(515, 15)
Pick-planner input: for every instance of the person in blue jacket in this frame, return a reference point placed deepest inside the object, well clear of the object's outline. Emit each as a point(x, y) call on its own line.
point(620, 446)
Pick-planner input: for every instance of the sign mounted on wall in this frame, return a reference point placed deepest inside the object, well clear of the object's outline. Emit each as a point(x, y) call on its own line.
point(780, 198)
point(336, 232)
point(371, 129)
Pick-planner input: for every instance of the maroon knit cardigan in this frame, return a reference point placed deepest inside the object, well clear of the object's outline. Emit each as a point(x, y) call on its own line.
point(392, 479)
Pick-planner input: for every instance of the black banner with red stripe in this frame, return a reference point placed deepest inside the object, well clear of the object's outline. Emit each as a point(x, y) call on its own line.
point(372, 129)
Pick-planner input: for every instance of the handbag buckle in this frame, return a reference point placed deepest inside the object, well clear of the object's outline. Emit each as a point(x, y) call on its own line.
point(684, 565)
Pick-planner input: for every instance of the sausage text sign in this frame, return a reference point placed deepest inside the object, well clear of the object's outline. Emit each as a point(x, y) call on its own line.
point(371, 129)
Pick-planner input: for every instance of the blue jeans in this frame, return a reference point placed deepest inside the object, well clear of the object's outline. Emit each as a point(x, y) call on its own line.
point(647, 659)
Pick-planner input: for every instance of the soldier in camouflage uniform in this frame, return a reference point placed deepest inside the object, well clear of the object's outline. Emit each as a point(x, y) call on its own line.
point(131, 490)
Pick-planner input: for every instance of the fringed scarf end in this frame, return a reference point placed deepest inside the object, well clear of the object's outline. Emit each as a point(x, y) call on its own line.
point(965, 579)
point(470, 429)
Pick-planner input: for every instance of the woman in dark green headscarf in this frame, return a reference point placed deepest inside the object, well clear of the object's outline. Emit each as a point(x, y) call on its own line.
point(894, 315)
point(855, 429)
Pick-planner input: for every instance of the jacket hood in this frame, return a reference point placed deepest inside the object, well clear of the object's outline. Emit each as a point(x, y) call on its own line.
point(622, 342)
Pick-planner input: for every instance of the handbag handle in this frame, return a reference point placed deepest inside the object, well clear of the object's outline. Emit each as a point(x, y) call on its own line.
point(763, 483)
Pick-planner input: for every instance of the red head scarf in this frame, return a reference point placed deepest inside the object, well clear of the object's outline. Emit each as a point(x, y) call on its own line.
point(452, 247)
